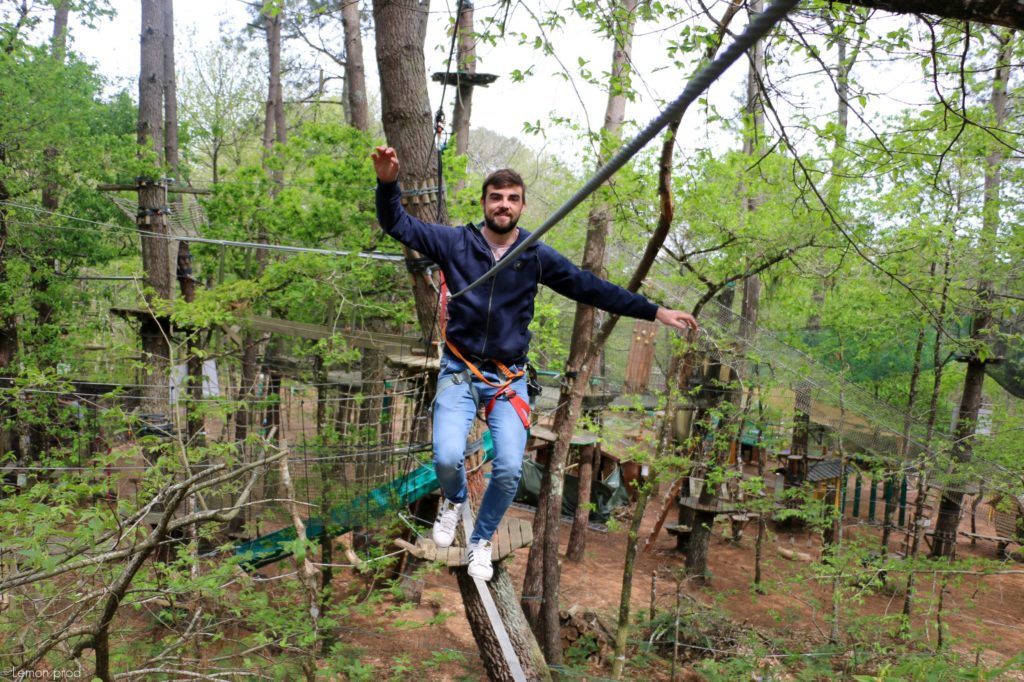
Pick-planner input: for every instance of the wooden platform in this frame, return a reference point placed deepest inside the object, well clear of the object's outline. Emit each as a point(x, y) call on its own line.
point(579, 438)
point(512, 534)
point(714, 507)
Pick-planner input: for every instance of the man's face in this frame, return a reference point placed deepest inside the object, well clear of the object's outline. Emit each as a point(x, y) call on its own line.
point(502, 208)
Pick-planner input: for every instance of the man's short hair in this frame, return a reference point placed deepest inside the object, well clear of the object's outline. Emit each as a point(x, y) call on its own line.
point(500, 179)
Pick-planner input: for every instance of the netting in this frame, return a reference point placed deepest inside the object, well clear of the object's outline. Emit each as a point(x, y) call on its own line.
point(186, 215)
point(798, 381)
point(347, 442)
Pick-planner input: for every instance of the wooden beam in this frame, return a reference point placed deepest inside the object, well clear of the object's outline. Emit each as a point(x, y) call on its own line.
point(118, 187)
point(306, 330)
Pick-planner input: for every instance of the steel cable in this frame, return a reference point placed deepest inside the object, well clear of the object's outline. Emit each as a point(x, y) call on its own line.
point(756, 30)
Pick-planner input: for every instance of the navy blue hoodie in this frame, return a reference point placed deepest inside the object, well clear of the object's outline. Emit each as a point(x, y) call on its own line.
point(492, 320)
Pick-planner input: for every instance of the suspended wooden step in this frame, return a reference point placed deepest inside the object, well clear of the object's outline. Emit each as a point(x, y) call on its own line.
point(512, 534)
point(713, 507)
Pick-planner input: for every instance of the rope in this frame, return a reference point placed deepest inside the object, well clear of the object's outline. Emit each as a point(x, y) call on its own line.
point(756, 30)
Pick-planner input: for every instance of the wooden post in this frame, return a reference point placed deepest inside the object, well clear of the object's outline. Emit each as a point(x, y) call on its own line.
point(641, 356)
point(903, 502)
point(872, 498)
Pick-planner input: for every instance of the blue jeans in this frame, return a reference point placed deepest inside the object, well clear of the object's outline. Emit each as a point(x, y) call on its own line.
point(455, 407)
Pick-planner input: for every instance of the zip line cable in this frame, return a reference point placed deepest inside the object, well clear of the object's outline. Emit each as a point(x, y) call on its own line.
point(131, 231)
point(756, 30)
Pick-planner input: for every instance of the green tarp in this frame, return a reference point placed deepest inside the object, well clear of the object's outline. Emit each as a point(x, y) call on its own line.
point(606, 495)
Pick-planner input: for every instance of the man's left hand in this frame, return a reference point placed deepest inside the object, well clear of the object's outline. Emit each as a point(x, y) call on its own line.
point(676, 318)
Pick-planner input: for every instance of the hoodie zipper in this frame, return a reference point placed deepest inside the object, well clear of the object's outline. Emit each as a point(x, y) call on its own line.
point(490, 300)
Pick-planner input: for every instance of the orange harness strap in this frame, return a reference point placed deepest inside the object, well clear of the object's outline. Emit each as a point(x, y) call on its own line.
point(504, 388)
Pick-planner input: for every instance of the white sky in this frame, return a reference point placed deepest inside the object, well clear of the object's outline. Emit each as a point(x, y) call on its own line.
point(505, 105)
point(502, 107)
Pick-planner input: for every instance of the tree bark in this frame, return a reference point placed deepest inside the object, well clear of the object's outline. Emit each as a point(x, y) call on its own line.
point(9, 325)
point(151, 89)
point(61, 14)
point(401, 27)
point(589, 457)
point(533, 580)
point(464, 94)
point(170, 84)
point(527, 650)
point(152, 220)
point(891, 501)
point(355, 69)
point(629, 564)
point(970, 401)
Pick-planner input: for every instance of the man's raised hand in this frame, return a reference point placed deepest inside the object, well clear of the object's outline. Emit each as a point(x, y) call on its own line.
point(385, 163)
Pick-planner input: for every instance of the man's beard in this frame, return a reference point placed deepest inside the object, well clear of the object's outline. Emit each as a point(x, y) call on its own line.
point(498, 229)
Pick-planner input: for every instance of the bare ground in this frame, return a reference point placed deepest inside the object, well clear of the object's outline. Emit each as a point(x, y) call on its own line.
point(982, 616)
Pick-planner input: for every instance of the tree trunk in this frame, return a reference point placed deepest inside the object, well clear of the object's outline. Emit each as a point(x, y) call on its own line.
point(408, 127)
point(970, 401)
point(151, 89)
point(915, 374)
point(194, 364)
point(527, 650)
point(589, 457)
point(466, 64)
point(61, 14)
point(8, 319)
point(571, 398)
point(170, 84)
point(629, 564)
point(152, 220)
point(356, 109)
point(922, 488)
point(9, 326)
point(405, 113)
point(533, 581)
point(677, 377)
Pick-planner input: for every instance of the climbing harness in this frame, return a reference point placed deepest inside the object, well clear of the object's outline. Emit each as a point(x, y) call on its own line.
point(504, 388)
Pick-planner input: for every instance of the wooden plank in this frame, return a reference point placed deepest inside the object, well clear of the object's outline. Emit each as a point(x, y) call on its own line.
point(408, 360)
point(515, 535)
point(579, 438)
point(305, 330)
point(455, 556)
point(715, 506)
point(500, 542)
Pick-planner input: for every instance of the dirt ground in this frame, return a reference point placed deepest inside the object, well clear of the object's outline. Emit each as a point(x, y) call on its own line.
point(982, 617)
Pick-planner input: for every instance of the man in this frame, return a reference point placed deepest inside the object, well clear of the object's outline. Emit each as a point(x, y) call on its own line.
point(486, 338)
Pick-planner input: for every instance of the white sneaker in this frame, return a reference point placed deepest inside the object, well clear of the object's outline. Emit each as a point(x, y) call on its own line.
point(479, 556)
point(446, 522)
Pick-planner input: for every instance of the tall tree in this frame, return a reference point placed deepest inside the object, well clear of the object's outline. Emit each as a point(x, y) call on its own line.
point(981, 324)
point(401, 30)
point(153, 208)
point(543, 559)
point(356, 108)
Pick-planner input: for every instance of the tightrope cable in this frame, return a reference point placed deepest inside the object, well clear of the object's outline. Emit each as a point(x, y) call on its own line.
point(756, 30)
